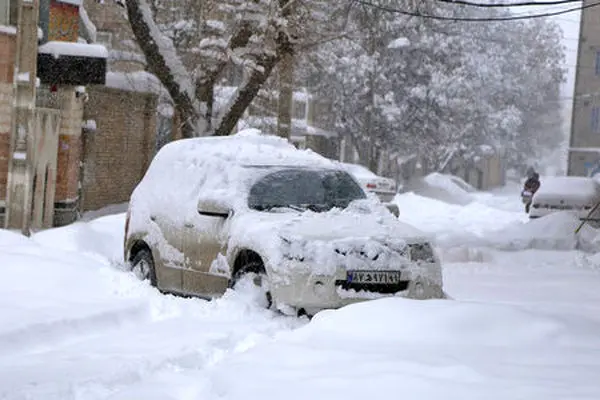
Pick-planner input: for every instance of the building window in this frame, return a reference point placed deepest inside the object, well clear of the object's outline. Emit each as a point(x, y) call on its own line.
point(598, 63)
point(595, 119)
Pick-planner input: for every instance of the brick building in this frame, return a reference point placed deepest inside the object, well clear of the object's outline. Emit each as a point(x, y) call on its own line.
point(7, 56)
point(106, 134)
point(124, 113)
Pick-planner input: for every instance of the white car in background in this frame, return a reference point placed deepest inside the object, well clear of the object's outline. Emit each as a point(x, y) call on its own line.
point(384, 188)
point(251, 211)
point(567, 193)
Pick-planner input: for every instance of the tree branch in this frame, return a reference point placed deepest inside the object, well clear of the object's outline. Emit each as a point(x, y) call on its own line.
point(248, 91)
point(164, 62)
point(240, 39)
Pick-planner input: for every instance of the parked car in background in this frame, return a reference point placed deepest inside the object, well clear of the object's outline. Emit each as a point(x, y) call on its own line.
point(567, 193)
point(384, 188)
point(252, 212)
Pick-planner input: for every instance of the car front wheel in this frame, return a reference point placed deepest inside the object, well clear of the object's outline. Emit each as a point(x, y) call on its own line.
point(142, 265)
point(252, 283)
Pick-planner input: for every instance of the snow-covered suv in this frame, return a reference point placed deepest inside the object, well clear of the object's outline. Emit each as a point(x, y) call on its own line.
point(252, 210)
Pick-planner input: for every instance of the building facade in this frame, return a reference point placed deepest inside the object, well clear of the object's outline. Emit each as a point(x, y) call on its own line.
point(584, 146)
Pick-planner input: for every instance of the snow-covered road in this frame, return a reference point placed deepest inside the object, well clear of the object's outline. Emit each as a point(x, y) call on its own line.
point(523, 324)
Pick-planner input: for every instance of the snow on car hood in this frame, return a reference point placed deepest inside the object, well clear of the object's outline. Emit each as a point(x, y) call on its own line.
point(363, 236)
point(339, 224)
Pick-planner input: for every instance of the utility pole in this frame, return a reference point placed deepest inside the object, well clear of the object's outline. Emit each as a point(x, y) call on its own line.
point(286, 96)
point(286, 85)
point(20, 164)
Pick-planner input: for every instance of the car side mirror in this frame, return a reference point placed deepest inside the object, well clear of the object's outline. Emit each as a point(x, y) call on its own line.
point(214, 208)
point(393, 208)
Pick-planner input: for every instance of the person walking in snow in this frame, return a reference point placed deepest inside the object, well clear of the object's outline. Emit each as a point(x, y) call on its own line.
point(532, 184)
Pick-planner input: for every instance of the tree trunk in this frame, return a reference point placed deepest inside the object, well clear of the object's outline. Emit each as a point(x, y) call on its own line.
point(245, 94)
point(158, 65)
point(286, 96)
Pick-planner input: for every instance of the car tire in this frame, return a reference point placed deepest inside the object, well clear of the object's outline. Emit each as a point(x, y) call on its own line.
point(142, 265)
point(252, 277)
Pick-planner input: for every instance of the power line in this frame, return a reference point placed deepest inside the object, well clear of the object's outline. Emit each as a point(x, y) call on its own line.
point(519, 4)
point(469, 19)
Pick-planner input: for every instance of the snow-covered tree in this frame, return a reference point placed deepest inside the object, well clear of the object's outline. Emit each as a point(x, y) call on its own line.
point(450, 88)
point(190, 44)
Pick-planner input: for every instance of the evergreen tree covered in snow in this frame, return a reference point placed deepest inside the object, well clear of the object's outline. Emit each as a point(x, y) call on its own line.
point(438, 88)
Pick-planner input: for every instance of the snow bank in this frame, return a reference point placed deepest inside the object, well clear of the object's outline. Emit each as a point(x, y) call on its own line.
point(12, 239)
point(463, 232)
point(555, 231)
point(444, 219)
point(522, 327)
point(101, 238)
point(435, 322)
point(447, 188)
point(426, 350)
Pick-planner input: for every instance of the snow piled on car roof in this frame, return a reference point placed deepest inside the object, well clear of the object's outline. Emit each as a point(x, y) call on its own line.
point(212, 167)
point(572, 189)
point(247, 147)
point(359, 171)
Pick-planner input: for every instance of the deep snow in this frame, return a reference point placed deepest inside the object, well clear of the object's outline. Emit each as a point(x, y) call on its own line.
point(523, 324)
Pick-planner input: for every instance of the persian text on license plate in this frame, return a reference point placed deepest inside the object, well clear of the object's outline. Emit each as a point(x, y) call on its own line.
point(374, 277)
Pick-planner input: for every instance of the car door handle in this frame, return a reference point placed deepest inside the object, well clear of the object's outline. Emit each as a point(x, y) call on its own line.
point(188, 225)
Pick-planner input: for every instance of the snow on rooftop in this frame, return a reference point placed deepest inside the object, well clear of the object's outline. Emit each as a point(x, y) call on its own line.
point(139, 81)
point(359, 170)
point(8, 30)
point(124, 55)
point(72, 2)
point(58, 49)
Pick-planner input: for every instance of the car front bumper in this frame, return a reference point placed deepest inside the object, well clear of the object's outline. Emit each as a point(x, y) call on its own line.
point(314, 292)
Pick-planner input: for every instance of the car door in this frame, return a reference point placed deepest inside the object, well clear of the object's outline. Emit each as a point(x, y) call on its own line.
point(206, 272)
point(169, 249)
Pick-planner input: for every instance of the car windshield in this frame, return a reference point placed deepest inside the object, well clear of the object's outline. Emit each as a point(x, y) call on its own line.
point(299, 189)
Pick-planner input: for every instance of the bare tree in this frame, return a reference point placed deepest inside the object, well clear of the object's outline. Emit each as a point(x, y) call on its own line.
point(190, 52)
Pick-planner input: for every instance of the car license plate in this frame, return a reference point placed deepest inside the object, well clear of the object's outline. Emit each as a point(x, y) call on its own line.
point(374, 277)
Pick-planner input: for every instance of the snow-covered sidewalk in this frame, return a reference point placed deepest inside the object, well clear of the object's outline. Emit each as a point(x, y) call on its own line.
point(523, 324)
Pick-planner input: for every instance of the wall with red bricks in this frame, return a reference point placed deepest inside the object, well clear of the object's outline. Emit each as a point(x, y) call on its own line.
point(118, 153)
point(8, 43)
point(7, 59)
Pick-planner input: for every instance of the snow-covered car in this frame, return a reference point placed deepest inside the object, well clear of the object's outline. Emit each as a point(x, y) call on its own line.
point(384, 188)
point(252, 211)
point(567, 193)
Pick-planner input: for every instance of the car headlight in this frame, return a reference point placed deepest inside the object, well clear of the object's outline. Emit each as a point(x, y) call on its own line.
point(421, 252)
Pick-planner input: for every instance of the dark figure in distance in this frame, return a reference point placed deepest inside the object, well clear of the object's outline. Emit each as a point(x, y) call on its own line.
point(532, 184)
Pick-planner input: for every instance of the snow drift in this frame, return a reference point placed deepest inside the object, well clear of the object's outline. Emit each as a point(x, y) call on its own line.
point(443, 187)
